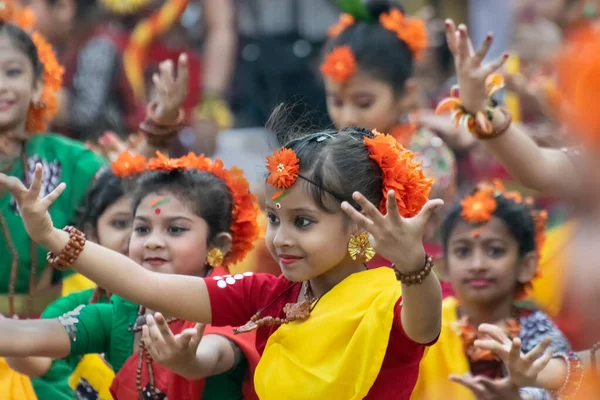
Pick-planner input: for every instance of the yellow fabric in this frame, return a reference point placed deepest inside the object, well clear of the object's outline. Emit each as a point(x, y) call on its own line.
point(76, 283)
point(13, 385)
point(445, 358)
point(337, 353)
point(98, 374)
point(548, 288)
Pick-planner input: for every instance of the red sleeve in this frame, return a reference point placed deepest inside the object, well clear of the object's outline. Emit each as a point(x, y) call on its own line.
point(399, 329)
point(234, 299)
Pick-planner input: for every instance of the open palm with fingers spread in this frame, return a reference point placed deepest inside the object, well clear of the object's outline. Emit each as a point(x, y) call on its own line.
point(173, 351)
point(33, 209)
point(522, 368)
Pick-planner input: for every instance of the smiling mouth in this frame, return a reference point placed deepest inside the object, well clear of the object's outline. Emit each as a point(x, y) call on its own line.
point(155, 261)
point(479, 283)
point(5, 105)
point(287, 260)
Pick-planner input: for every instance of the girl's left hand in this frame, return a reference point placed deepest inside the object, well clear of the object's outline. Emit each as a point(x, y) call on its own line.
point(397, 239)
point(34, 211)
point(170, 90)
point(485, 388)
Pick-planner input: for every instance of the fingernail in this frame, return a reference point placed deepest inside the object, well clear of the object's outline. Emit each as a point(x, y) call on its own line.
point(447, 22)
point(506, 55)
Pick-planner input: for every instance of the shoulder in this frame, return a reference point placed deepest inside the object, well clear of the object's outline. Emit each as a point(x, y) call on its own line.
point(535, 326)
point(67, 303)
point(60, 147)
point(257, 280)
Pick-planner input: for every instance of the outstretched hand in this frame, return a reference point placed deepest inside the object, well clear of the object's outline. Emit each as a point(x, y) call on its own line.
point(484, 388)
point(398, 239)
point(33, 209)
point(173, 351)
point(171, 88)
point(470, 72)
point(522, 368)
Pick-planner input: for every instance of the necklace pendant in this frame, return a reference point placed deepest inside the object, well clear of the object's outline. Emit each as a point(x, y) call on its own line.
point(297, 311)
point(247, 327)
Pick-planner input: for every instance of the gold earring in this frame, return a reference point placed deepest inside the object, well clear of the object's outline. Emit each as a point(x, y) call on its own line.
point(214, 258)
point(360, 248)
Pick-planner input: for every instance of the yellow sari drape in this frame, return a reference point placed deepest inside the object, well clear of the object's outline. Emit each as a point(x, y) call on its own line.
point(13, 385)
point(445, 358)
point(337, 353)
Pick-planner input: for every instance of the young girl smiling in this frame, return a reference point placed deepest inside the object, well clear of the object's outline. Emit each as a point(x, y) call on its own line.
point(178, 204)
point(328, 327)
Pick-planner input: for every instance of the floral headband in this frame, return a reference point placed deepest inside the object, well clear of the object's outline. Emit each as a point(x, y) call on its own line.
point(340, 64)
point(244, 227)
point(401, 173)
point(41, 113)
point(479, 207)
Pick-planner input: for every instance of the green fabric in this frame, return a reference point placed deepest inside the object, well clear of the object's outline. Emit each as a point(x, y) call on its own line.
point(104, 329)
point(55, 383)
point(226, 386)
point(64, 160)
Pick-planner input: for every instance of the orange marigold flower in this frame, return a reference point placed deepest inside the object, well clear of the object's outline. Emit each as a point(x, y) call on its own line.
point(411, 31)
point(128, 164)
point(514, 196)
point(40, 115)
point(340, 64)
point(284, 167)
point(401, 173)
point(13, 12)
point(164, 163)
point(479, 207)
point(344, 22)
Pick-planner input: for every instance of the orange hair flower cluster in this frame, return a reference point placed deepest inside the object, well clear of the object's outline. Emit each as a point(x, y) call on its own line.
point(283, 166)
point(579, 84)
point(13, 12)
point(480, 206)
point(40, 114)
point(340, 64)
point(343, 23)
point(244, 227)
point(411, 31)
point(401, 173)
point(128, 164)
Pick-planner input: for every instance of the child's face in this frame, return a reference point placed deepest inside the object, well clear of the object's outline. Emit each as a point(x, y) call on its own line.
point(168, 237)
point(16, 85)
point(114, 226)
point(305, 240)
point(483, 262)
point(364, 102)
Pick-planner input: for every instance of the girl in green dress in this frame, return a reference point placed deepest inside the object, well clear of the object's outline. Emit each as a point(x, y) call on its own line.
point(106, 217)
point(192, 217)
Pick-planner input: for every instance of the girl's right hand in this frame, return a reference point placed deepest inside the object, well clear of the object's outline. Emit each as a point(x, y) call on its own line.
point(33, 209)
point(522, 368)
point(175, 352)
point(470, 72)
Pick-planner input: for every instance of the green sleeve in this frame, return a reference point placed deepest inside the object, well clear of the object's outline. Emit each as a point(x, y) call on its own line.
point(89, 327)
point(85, 169)
point(55, 383)
point(67, 303)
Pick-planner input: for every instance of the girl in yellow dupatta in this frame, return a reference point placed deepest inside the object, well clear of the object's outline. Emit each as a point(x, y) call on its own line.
point(329, 328)
point(490, 245)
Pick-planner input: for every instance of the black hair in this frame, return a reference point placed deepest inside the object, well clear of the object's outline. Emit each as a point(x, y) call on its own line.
point(208, 195)
point(104, 191)
point(378, 51)
point(84, 8)
point(23, 42)
point(516, 216)
point(333, 163)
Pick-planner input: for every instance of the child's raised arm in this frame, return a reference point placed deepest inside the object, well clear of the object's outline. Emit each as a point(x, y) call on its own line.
point(547, 170)
point(178, 296)
point(43, 337)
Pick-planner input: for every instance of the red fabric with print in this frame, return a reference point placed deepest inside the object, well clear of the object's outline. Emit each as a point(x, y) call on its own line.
point(124, 385)
point(181, 388)
point(235, 299)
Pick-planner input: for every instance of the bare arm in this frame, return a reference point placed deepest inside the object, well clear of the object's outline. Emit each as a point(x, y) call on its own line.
point(421, 312)
point(43, 337)
point(220, 45)
point(33, 367)
point(546, 170)
point(120, 275)
point(215, 355)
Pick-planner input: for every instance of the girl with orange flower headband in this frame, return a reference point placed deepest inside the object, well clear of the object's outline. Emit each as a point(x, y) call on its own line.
point(491, 240)
point(192, 217)
point(368, 71)
point(334, 199)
